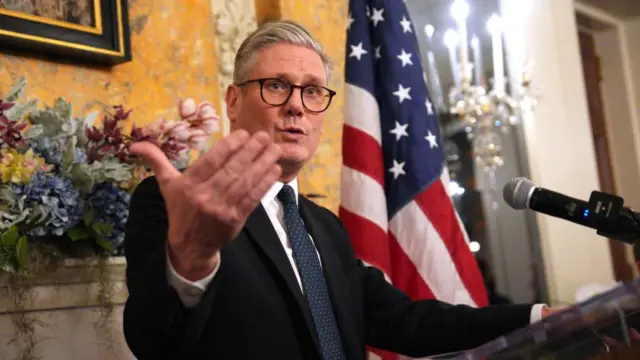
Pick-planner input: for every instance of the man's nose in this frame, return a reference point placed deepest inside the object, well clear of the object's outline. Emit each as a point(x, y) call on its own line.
point(293, 106)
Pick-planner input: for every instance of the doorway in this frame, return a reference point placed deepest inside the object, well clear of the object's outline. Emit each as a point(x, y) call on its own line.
point(592, 70)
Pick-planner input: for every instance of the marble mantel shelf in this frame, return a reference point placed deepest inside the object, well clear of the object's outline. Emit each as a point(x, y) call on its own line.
point(75, 284)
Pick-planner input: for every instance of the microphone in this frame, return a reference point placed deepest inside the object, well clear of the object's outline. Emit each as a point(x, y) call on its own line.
point(603, 212)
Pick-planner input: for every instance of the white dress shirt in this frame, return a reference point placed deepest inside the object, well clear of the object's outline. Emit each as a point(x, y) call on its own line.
point(190, 292)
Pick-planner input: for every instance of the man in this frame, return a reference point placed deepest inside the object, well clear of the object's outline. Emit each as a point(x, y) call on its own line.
point(227, 261)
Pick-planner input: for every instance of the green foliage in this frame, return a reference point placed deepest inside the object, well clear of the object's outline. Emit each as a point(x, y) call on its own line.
point(17, 89)
point(13, 211)
point(93, 229)
point(53, 122)
point(85, 176)
point(14, 249)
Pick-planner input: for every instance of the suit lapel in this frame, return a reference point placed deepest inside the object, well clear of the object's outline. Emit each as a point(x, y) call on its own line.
point(338, 287)
point(262, 232)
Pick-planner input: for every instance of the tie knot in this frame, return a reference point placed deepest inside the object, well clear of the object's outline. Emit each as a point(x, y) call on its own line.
point(287, 195)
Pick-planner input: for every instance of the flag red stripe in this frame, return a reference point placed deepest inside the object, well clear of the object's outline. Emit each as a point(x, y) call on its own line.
point(405, 274)
point(443, 219)
point(362, 153)
point(385, 355)
point(369, 242)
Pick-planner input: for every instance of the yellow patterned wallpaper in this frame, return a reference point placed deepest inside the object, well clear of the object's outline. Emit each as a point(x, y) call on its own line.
point(327, 21)
point(173, 56)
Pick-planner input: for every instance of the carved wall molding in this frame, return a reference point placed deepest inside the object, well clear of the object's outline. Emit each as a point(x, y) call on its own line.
point(234, 20)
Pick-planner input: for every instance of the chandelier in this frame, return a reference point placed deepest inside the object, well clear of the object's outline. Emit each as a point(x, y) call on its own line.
point(483, 112)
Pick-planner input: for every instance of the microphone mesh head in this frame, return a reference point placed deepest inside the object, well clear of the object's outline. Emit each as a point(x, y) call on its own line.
point(516, 192)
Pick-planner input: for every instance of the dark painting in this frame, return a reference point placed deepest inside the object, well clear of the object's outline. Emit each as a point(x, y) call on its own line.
point(84, 30)
point(77, 12)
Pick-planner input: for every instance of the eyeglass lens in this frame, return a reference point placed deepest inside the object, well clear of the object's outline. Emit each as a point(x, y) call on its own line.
point(276, 92)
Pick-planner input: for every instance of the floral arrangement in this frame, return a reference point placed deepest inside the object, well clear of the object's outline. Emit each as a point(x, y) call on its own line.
point(65, 182)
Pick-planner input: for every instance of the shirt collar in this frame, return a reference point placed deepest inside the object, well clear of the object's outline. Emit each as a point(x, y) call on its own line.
point(275, 189)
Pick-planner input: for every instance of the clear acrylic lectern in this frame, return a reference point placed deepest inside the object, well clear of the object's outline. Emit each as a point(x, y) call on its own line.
point(598, 328)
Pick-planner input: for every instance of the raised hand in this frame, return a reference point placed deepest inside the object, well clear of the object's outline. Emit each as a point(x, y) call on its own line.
point(208, 204)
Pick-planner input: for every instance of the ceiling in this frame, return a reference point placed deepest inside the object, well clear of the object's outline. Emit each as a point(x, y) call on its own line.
point(623, 9)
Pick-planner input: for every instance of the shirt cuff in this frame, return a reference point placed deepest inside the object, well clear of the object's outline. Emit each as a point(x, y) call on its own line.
point(190, 292)
point(536, 313)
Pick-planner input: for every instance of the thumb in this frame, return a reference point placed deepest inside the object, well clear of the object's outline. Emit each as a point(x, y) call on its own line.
point(156, 160)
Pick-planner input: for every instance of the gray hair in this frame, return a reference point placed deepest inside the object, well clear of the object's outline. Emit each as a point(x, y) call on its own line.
point(283, 31)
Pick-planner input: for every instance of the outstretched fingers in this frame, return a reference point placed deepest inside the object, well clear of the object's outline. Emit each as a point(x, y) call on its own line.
point(151, 154)
point(207, 165)
point(249, 202)
point(235, 168)
point(245, 185)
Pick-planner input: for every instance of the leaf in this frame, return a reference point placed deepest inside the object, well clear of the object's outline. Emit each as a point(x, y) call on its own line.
point(22, 252)
point(76, 234)
point(69, 155)
point(63, 108)
point(110, 169)
point(17, 89)
point(56, 122)
point(83, 124)
point(38, 215)
point(13, 210)
point(80, 174)
point(88, 218)
point(102, 228)
point(33, 132)
point(10, 236)
point(18, 110)
point(103, 243)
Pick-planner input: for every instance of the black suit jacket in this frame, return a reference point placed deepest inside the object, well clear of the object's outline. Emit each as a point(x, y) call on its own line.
point(254, 308)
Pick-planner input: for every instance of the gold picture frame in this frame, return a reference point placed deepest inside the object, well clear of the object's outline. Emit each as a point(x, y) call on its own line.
point(99, 34)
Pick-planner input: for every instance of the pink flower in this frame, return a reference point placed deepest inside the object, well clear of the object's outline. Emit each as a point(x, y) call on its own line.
point(172, 148)
point(187, 109)
point(138, 134)
point(198, 139)
point(210, 126)
point(160, 127)
point(175, 138)
point(206, 111)
point(181, 131)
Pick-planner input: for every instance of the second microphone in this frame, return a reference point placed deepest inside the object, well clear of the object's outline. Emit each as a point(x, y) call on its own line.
point(603, 212)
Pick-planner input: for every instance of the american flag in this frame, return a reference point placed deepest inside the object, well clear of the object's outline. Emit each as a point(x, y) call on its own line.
point(395, 203)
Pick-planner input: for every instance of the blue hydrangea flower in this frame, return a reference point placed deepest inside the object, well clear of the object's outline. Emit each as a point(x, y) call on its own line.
point(81, 156)
point(62, 201)
point(50, 150)
point(110, 205)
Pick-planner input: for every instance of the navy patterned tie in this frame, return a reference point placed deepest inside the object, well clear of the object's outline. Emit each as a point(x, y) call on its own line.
point(313, 281)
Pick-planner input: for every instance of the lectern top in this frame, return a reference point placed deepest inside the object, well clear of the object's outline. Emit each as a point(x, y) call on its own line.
point(578, 332)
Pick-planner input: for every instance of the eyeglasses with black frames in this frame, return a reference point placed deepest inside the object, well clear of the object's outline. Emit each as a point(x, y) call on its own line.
point(275, 92)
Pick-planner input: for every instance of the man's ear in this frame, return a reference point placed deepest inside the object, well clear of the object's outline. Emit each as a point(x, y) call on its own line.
point(232, 100)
